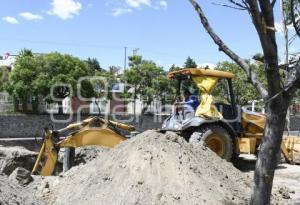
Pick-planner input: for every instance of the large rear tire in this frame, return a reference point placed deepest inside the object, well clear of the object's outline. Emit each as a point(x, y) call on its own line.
point(216, 138)
point(69, 157)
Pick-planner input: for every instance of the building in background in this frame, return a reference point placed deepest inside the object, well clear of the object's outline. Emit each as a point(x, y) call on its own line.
point(8, 60)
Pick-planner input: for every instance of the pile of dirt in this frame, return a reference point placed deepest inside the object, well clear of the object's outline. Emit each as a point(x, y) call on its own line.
point(14, 193)
point(87, 154)
point(13, 157)
point(153, 168)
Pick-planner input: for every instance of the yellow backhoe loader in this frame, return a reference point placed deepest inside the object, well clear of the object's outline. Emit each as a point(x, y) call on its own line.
point(223, 127)
point(92, 131)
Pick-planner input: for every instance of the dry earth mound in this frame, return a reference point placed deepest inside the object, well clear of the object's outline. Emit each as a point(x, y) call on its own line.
point(86, 154)
point(13, 193)
point(153, 168)
point(13, 157)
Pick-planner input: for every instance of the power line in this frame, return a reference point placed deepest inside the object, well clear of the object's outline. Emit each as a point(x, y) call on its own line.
point(63, 43)
point(51, 43)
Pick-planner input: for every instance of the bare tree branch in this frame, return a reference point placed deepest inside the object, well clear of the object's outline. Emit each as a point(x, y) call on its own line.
point(263, 20)
point(273, 3)
point(237, 4)
point(293, 80)
point(264, 24)
point(228, 6)
point(222, 47)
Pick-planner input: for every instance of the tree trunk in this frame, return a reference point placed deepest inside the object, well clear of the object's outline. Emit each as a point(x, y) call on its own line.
point(134, 102)
point(268, 156)
point(16, 105)
point(35, 105)
point(60, 108)
point(24, 105)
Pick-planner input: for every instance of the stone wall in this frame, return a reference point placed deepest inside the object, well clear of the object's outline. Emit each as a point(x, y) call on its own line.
point(22, 126)
point(30, 126)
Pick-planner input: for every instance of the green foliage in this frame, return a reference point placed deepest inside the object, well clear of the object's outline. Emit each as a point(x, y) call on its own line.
point(110, 79)
point(287, 5)
point(33, 77)
point(148, 80)
point(174, 68)
point(190, 63)
point(244, 91)
point(21, 79)
point(188, 84)
point(25, 52)
point(64, 69)
point(4, 76)
point(93, 64)
point(165, 89)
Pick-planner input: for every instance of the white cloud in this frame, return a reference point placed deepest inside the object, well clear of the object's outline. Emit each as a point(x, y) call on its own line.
point(132, 5)
point(11, 20)
point(121, 11)
point(163, 4)
point(210, 65)
point(30, 16)
point(138, 3)
point(65, 9)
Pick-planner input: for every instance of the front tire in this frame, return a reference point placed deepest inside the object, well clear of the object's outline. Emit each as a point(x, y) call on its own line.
point(216, 138)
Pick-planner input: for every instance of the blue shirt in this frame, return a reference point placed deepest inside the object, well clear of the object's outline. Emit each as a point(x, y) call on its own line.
point(191, 103)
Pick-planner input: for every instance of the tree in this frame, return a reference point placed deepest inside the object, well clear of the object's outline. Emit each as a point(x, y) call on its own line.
point(187, 84)
point(245, 93)
point(26, 52)
point(62, 73)
point(4, 76)
point(93, 64)
point(174, 68)
point(21, 79)
point(111, 78)
point(164, 89)
point(147, 79)
point(292, 10)
point(277, 95)
point(34, 76)
point(190, 63)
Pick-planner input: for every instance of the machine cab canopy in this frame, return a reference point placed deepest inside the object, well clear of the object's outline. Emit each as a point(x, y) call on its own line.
point(206, 80)
point(200, 72)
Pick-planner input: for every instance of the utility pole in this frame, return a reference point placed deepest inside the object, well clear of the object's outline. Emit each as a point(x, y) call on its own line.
point(125, 59)
point(286, 54)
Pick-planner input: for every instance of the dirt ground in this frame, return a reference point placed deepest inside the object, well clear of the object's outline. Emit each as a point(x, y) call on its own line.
point(286, 175)
point(152, 168)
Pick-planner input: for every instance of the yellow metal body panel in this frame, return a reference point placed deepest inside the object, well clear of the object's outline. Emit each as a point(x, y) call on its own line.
point(93, 136)
point(291, 148)
point(253, 123)
point(247, 145)
point(47, 157)
point(201, 72)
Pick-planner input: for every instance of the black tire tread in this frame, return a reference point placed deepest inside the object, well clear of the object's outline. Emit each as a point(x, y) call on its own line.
point(198, 134)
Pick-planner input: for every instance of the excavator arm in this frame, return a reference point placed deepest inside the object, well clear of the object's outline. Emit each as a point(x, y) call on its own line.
point(93, 131)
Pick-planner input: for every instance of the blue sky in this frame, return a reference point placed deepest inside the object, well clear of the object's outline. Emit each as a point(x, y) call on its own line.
point(165, 31)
